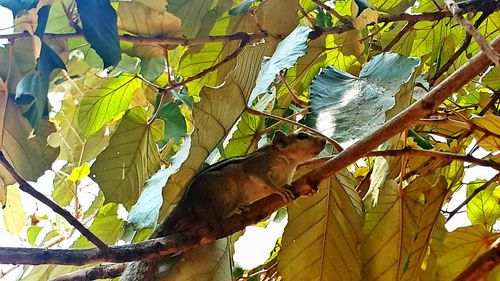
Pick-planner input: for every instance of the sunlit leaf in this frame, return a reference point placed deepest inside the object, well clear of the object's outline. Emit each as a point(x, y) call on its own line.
point(207, 262)
point(483, 208)
point(130, 159)
point(99, 106)
point(491, 123)
point(74, 146)
point(461, 247)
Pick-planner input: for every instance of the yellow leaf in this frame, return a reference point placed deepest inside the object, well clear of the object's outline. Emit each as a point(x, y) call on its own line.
point(79, 173)
point(490, 122)
point(323, 233)
point(461, 247)
point(13, 213)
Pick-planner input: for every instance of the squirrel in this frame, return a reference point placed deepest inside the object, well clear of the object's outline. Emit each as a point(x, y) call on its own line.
point(230, 186)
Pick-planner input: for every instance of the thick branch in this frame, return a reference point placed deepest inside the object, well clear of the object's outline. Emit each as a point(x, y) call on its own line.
point(472, 30)
point(26, 187)
point(465, 44)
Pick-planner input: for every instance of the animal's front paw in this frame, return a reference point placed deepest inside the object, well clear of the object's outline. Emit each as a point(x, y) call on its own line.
point(286, 194)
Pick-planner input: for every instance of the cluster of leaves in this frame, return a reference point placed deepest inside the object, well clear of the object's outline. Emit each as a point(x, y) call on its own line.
point(143, 93)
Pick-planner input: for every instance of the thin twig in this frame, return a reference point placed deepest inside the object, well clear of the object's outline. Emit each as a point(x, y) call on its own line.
point(465, 44)
point(472, 30)
point(230, 57)
point(409, 25)
point(331, 11)
point(438, 155)
point(335, 144)
point(26, 187)
point(472, 195)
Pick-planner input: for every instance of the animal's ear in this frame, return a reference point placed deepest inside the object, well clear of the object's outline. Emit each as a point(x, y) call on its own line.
point(279, 137)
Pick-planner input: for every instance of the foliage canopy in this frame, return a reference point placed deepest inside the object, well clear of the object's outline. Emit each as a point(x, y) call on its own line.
point(124, 101)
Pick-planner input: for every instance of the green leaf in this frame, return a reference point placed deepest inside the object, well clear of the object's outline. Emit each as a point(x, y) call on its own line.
point(13, 213)
point(243, 141)
point(32, 234)
point(131, 158)
point(64, 190)
point(484, 208)
point(175, 124)
point(285, 56)
point(348, 107)
point(323, 233)
point(153, 68)
point(192, 14)
point(393, 7)
point(99, 28)
point(74, 146)
point(31, 92)
point(429, 222)
point(78, 173)
point(106, 225)
point(324, 19)
point(390, 229)
point(95, 206)
point(100, 106)
point(48, 272)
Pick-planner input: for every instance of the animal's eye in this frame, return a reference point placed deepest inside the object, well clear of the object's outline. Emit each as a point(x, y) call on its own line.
point(302, 136)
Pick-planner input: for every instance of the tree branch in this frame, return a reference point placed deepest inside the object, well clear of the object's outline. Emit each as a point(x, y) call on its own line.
point(472, 195)
point(465, 44)
point(26, 187)
point(472, 30)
